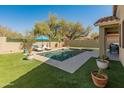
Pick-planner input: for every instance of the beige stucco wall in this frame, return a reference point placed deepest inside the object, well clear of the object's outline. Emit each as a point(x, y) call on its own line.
point(120, 14)
point(83, 43)
point(13, 47)
point(50, 44)
point(9, 47)
point(90, 43)
point(2, 39)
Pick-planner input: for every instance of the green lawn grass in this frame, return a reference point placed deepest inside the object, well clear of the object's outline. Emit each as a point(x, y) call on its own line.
point(12, 66)
point(18, 73)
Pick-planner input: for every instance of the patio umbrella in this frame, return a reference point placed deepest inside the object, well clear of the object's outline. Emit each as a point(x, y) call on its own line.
point(42, 38)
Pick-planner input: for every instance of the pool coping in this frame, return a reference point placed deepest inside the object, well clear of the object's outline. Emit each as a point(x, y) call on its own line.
point(71, 64)
point(41, 54)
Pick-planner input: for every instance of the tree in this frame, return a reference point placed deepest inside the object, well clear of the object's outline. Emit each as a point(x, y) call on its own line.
point(94, 35)
point(41, 28)
point(63, 27)
point(53, 26)
point(52, 21)
point(60, 29)
point(6, 32)
point(87, 31)
point(28, 40)
point(74, 31)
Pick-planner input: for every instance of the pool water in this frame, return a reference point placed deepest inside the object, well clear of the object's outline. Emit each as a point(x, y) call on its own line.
point(63, 54)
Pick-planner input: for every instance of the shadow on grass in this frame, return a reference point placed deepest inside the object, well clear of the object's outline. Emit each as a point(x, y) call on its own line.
point(46, 76)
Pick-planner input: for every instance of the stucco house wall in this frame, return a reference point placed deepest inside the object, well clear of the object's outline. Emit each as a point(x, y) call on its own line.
point(120, 14)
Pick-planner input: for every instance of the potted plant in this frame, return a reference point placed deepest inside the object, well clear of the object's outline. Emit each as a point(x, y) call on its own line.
point(28, 46)
point(30, 55)
point(102, 63)
point(99, 78)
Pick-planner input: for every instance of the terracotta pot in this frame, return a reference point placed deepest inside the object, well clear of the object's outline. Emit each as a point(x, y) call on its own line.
point(102, 64)
point(99, 82)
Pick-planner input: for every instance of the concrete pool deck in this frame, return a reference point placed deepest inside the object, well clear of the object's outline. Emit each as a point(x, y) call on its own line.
point(71, 64)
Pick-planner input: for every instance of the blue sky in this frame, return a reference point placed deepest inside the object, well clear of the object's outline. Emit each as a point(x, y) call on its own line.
point(23, 18)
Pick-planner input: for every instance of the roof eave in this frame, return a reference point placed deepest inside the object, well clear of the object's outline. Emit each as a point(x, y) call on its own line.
point(107, 23)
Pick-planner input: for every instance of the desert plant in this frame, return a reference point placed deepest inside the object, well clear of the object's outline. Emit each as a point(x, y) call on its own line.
point(27, 45)
point(103, 58)
point(100, 72)
point(99, 77)
point(102, 62)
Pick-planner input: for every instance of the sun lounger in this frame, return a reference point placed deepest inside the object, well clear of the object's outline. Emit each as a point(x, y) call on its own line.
point(37, 48)
point(46, 47)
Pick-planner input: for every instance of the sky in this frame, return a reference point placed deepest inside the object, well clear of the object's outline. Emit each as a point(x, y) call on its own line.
point(22, 18)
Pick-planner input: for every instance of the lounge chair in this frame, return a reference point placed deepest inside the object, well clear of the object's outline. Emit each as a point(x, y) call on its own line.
point(46, 47)
point(37, 48)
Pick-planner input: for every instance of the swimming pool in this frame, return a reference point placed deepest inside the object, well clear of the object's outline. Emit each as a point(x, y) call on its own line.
point(63, 54)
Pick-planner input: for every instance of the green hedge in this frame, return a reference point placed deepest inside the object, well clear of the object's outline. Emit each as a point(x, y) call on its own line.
point(21, 40)
point(14, 40)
